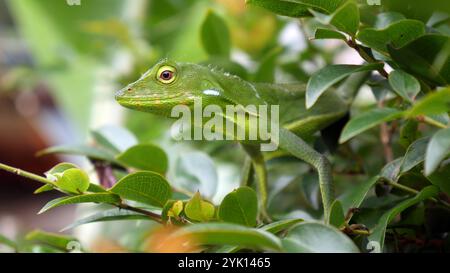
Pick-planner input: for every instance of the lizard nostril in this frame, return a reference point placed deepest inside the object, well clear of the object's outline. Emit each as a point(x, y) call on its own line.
point(129, 89)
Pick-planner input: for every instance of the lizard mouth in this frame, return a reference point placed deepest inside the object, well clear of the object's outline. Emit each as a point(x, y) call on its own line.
point(154, 101)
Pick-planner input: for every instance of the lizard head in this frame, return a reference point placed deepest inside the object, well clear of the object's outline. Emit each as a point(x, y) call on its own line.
point(166, 85)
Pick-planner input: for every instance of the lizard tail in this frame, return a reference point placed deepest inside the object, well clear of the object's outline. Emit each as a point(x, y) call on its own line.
point(293, 144)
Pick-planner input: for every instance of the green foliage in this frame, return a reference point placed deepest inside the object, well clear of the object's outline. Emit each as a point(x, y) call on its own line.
point(305, 238)
point(390, 154)
point(145, 187)
point(240, 207)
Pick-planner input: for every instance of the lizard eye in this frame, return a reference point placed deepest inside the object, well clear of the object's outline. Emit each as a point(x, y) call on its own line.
point(166, 74)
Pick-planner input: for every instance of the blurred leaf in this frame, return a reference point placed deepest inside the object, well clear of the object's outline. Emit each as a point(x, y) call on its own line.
point(108, 215)
point(273, 228)
point(281, 7)
point(145, 187)
point(50, 239)
point(378, 233)
point(45, 188)
point(58, 170)
point(405, 85)
point(199, 210)
point(195, 171)
point(427, 57)
point(322, 33)
point(354, 196)
point(345, 18)
point(297, 8)
point(414, 155)
point(5, 241)
point(230, 234)
point(336, 217)
point(215, 35)
point(84, 150)
point(397, 35)
point(114, 138)
point(434, 103)
point(240, 207)
point(409, 133)
point(147, 157)
point(317, 238)
point(63, 53)
point(176, 209)
point(437, 150)
point(440, 178)
point(391, 170)
point(267, 66)
point(73, 181)
point(103, 197)
point(385, 19)
point(368, 120)
point(281, 225)
point(325, 78)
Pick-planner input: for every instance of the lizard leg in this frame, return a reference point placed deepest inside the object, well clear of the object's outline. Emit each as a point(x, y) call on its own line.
point(259, 167)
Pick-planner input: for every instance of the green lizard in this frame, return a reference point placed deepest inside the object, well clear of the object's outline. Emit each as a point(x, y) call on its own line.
point(168, 84)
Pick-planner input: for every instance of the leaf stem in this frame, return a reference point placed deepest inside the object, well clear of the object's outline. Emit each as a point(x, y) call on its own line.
point(151, 215)
point(353, 44)
point(412, 191)
point(26, 174)
point(431, 122)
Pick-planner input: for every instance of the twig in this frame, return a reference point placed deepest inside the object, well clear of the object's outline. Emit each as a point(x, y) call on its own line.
point(151, 215)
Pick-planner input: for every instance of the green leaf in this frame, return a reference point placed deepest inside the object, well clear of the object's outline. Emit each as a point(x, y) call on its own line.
point(58, 170)
point(114, 138)
point(281, 7)
point(230, 234)
point(414, 155)
point(105, 197)
point(405, 85)
point(45, 188)
point(322, 33)
point(297, 8)
point(266, 69)
point(432, 104)
point(391, 170)
point(427, 58)
point(73, 181)
point(196, 171)
point(5, 241)
point(336, 217)
point(437, 150)
point(145, 157)
point(199, 210)
point(215, 35)
point(378, 233)
point(345, 18)
point(240, 207)
point(354, 196)
point(368, 120)
point(145, 187)
point(325, 78)
point(273, 228)
point(108, 215)
point(397, 34)
point(84, 150)
point(440, 178)
point(281, 225)
point(317, 238)
point(51, 239)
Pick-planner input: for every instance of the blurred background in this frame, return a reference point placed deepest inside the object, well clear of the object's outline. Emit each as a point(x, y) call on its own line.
point(60, 65)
